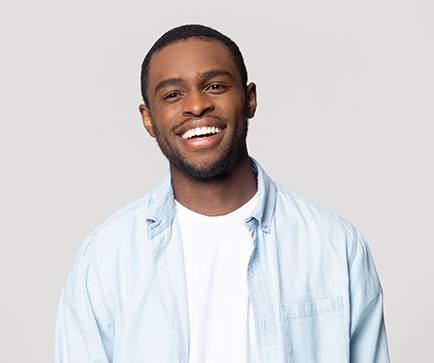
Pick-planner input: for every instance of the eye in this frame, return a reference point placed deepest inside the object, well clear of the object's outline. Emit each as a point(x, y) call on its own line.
point(215, 87)
point(170, 95)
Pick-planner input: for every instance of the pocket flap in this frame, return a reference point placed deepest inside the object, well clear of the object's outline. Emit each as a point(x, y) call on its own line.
point(309, 308)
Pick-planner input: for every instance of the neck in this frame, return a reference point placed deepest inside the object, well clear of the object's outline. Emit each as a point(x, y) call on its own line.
point(217, 196)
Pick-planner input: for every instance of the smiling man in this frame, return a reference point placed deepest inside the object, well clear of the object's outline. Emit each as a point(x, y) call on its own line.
point(218, 263)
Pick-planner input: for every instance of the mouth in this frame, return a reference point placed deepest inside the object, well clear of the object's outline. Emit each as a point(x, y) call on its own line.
point(201, 137)
point(200, 132)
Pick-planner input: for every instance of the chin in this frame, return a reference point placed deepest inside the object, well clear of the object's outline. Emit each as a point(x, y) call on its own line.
point(206, 170)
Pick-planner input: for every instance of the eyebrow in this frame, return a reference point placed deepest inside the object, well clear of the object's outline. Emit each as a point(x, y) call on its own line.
point(167, 82)
point(216, 72)
point(204, 76)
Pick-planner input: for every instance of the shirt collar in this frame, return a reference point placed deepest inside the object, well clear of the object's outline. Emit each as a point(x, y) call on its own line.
point(161, 208)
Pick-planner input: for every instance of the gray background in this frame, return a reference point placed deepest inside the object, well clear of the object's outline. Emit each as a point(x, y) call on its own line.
point(345, 117)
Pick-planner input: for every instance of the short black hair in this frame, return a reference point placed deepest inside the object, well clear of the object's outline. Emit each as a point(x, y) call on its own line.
point(184, 32)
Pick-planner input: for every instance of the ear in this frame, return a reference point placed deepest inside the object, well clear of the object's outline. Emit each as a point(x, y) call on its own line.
point(146, 118)
point(251, 100)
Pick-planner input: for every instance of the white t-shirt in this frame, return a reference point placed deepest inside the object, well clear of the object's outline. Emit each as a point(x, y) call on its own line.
point(216, 253)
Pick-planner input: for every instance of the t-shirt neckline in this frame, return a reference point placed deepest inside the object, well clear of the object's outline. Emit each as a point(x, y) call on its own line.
point(242, 212)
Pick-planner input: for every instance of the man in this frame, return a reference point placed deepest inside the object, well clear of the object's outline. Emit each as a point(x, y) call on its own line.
point(218, 263)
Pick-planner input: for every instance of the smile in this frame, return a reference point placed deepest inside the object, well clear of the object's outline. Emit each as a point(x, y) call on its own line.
point(201, 131)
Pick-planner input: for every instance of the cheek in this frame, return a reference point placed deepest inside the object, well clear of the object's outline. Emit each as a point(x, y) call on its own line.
point(231, 108)
point(163, 120)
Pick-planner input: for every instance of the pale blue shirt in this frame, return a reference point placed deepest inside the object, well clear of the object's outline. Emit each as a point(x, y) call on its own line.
point(314, 290)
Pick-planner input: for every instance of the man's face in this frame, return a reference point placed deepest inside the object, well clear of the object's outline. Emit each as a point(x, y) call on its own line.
point(198, 107)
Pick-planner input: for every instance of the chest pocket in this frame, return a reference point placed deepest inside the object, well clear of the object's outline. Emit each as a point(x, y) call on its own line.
point(314, 331)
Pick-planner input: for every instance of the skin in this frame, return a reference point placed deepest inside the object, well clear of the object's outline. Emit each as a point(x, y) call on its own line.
point(183, 89)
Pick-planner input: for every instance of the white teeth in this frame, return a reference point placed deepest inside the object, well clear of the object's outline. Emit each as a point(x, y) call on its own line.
point(200, 131)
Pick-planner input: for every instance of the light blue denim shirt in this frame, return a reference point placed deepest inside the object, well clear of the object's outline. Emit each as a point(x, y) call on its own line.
point(314, 290)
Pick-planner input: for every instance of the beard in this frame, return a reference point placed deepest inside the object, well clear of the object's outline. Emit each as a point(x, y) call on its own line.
point(208, 170)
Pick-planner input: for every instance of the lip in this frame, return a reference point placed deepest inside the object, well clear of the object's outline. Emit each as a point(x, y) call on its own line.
point(203, 122)
point(202, 142)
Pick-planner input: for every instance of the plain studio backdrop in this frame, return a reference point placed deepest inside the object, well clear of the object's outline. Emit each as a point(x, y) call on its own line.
point(345, 117)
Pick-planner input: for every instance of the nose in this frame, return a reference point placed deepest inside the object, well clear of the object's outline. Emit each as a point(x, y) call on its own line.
point(197, 104)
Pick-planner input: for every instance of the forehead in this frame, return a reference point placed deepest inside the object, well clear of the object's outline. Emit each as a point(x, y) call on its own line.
point(190, 58)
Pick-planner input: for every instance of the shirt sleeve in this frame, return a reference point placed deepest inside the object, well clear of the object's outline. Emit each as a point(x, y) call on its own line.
point(368, 342)
point(84, 323)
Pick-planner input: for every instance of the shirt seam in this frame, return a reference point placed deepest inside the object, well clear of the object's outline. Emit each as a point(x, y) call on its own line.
point(359, 243)
point(101, 289)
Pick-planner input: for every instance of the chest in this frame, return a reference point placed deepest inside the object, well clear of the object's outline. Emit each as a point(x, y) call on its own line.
point(297, 294)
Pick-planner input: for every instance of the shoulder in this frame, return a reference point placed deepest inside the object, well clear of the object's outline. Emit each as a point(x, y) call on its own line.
point(306, 208)
point(318, 220)
point(121, 225)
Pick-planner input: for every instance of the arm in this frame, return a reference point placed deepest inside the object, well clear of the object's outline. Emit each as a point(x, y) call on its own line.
point(368, 342)
point(84, 324)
